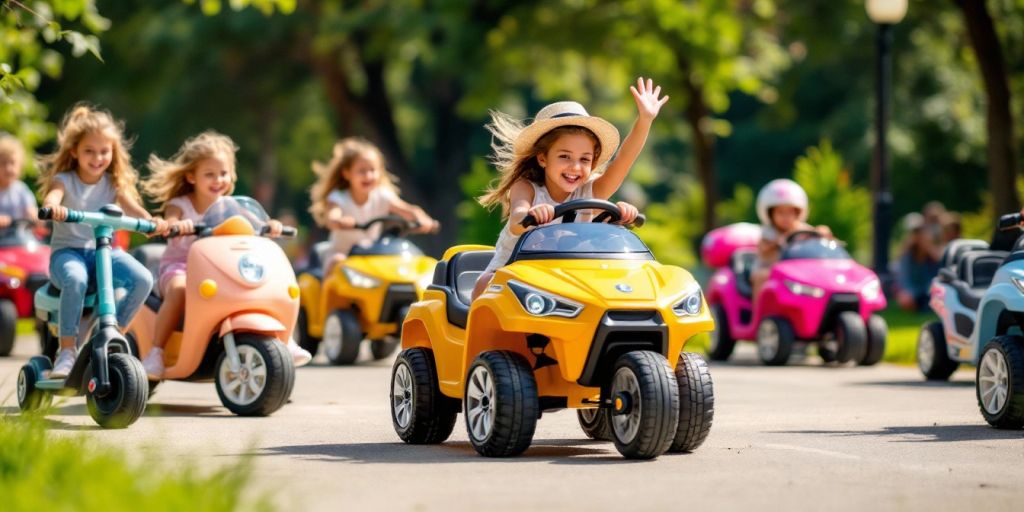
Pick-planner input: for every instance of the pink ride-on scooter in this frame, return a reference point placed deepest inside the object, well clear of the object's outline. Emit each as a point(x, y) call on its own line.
point(815, 293)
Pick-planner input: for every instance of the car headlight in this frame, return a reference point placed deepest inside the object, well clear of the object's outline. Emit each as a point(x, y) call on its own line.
point(872, 290)
point(540, 303)
point(358, 279)
point(805, 289)
point(690, 305)
point(250, 266)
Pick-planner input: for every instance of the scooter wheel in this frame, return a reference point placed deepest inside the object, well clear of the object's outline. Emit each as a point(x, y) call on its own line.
point(31, 398)
point(263, 382)
point(126, 400)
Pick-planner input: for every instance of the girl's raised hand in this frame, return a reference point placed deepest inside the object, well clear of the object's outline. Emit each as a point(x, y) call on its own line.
point(646, 95)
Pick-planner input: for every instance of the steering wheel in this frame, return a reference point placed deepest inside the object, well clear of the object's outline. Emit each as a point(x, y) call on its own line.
point(567, 211)
point(391, 225)
point(803, 234)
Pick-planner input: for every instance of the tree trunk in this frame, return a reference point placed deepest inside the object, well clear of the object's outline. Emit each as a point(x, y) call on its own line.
point(451, 160)
point(699, 119)
point(1002, 151)
point(266, 185)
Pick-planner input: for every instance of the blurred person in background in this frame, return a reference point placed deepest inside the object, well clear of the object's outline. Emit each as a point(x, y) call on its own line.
point(918, 264)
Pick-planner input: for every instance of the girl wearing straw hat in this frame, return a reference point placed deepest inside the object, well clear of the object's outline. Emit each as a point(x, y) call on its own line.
point(557, 158)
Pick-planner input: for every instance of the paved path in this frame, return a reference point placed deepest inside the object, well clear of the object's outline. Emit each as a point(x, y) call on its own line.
point(800, 437)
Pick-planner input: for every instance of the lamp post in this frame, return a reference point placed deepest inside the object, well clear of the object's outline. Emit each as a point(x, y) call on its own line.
point(885, 13)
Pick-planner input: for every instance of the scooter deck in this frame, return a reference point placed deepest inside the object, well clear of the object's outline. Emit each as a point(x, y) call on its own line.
point(51, 384)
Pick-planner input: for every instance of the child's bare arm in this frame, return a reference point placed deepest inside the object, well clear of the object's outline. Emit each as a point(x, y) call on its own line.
point(414, 213)
point(520, 204)
point(133, 208)
point(336, 219)
point(648, 104)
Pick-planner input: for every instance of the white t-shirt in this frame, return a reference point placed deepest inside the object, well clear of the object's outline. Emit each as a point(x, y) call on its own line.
point(377, 205)
point(16, 200)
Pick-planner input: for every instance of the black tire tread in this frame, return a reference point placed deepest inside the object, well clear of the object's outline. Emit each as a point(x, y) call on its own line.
point(942, 366)
point(302, 336)
point(351, 338)
point(434, 414)
point(1012, 417)
point(696, 403)
point(659, 392)
point(517, 405)
point(600, 430)
point(726, 343)
point(280, 376)
point(853, 337)
point(877, 331)
point(128, 371)
point(8, 326)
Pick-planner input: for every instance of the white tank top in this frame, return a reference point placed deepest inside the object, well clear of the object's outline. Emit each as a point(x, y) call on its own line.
point(377, 205)
point(507, 241)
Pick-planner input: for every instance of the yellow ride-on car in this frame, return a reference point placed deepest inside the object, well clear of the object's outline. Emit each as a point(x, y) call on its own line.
point(365, 297)
point(583, 317)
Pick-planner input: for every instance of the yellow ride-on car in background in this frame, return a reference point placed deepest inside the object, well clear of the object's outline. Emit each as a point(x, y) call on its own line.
point(581, 317)
point(365, 297)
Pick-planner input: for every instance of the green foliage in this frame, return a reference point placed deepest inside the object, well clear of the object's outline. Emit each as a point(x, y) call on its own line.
point(40, 471)
point(834, 200)
point(479, 226)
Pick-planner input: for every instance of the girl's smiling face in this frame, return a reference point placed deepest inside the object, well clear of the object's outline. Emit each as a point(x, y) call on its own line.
point(94, 153)
point(567, 164)
point(10, 168)
point(363, 175)
point(212, 177)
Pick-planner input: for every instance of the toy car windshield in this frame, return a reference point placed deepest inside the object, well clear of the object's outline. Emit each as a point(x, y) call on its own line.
point(228, 207)
point(17, 234)
point(387, 246)
point(815, 249)
point(580, 240)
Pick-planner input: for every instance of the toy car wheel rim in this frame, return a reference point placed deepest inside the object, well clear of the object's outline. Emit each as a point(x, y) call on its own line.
point(926, 350)
point(332, 337)
point(589, 415)
point(768, 340)
point(22, 387)
point(993, 381)
point(245, 386)
point(480, 403)
point(401, 396)
point(626, 424)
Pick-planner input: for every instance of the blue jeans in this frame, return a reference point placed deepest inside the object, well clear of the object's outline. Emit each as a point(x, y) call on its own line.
point(71, 269)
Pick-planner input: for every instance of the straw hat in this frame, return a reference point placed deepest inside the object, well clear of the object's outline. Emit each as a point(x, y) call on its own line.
point(568, 113)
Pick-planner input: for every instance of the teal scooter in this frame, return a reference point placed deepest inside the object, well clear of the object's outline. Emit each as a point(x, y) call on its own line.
point(106, 372)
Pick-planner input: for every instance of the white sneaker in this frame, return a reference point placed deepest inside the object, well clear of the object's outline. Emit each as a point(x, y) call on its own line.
point(300, 356)
point(64, 363)
point(154, 363)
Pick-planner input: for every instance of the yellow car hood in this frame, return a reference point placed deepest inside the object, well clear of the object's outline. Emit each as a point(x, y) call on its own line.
point(393, 269)
point(612, 280)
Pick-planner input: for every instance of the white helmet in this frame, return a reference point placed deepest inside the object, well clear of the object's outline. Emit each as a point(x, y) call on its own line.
point(781, 192)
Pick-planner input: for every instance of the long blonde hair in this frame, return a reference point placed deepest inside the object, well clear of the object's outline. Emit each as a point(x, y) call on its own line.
point(167, 178)
point(513, 166)
point(331, 177)
point(81, 120)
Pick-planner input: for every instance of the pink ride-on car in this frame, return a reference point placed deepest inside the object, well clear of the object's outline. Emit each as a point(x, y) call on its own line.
point(815, 293)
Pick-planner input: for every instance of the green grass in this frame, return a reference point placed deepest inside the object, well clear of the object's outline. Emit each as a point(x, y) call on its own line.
point(41, 471)
point(901, 347)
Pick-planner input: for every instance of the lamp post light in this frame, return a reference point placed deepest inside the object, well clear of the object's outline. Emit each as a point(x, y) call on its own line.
point(885, 13)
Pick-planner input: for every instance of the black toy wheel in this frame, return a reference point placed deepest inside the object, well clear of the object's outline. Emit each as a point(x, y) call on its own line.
point(302, 336)
point(31, 398)
point(722, 342)
point(645, 397)
point(500, 404)
point(878, 331)
point(126, 400)
point(420, 413)
point(595, 423)
point(8, 326)
point(696, 403)
point(851, 336)
point(775, 338)
point(264, 379)
point(1000, 383)
point(932, 354)
point(383, 348)
point(342, 337)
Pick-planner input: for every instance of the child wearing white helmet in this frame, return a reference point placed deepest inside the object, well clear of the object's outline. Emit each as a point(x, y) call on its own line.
point(782, 209)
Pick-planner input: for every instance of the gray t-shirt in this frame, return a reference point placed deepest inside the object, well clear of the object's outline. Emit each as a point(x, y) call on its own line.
point(17, 200)
point(80, 196)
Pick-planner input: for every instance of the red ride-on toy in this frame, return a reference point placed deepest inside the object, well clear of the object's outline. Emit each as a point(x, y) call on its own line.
point(24, 267)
